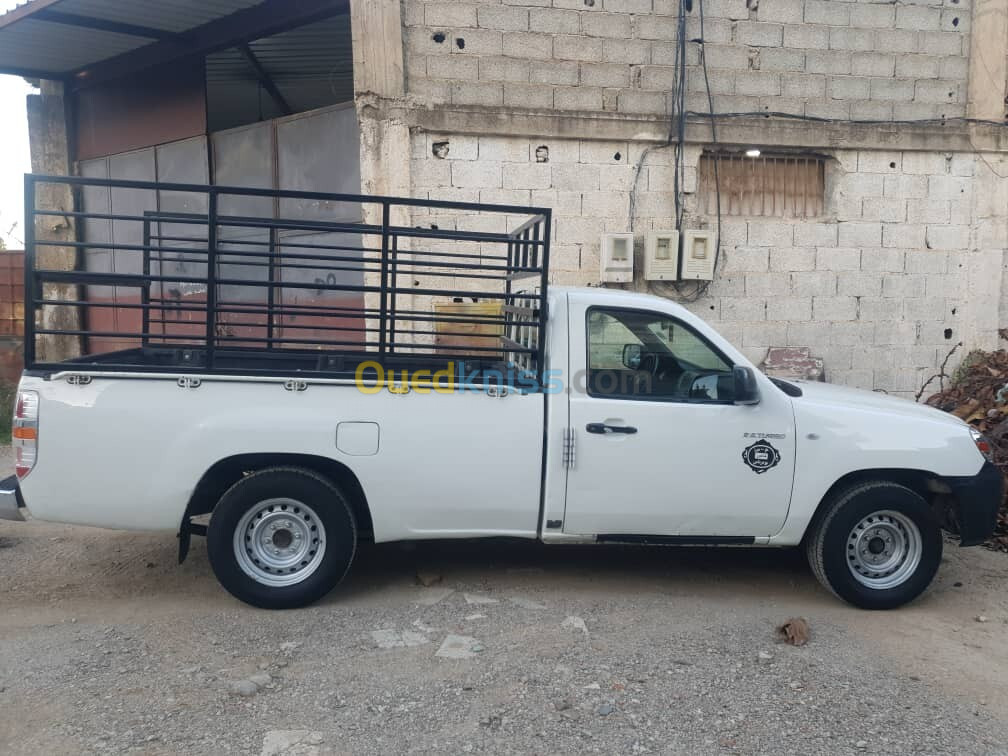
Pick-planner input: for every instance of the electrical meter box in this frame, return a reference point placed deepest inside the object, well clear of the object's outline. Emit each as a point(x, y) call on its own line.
point(617, 258)
point(661, 256)
point(698, 256)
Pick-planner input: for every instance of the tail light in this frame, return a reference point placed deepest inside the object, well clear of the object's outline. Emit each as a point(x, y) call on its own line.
point(24, 433)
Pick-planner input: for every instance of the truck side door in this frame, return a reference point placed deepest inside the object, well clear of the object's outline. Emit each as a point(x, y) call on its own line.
point(661, 447)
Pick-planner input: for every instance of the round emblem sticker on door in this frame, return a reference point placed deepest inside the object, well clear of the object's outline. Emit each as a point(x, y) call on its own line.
point(761, 456)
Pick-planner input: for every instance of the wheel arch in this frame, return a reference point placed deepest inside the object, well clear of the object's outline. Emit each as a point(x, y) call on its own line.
point(224, 473)
point(927, 484)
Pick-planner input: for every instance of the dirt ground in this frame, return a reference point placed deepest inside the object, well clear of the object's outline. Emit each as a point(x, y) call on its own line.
point(108, 646)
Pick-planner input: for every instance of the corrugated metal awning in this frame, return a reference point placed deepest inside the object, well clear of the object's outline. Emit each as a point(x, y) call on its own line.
point(62, 39)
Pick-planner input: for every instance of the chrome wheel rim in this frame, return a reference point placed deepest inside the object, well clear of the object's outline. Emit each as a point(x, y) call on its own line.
point(884, 550)
point(279, 542)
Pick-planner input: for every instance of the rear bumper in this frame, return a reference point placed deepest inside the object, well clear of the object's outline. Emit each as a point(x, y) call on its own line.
point(11, 502)
point(977, 501)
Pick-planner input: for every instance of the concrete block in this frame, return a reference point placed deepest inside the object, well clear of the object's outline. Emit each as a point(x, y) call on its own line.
point(924, 163)
point(463, 93)
point(747, 259)
point(476, 174)
point(924, 308)
point(528, 96)
point(563, 203)
point(952, 188)
point(876, 309)
point(892, 89)
point(927, 210)
point(573, 47)
point(461, 67)
point(721, 82)
point(856, 283)
point(628, 6)
point(873, 64)
point(605, 152)
point(661, 28)
point(871, 110)
point(505, 149)
point(903, 285)
point(565, 74)
point(460, 146)
point(582, 230)
point(521, 45)
point(965, 164)
point(835, 109)
point(943, 43)
point(763, 335)
point(842, 38)
point(481, 41)
point(948, 237)
point(872, 15)
point(902, 41)
point(956, 19)
point(503, 69)
point(918, 17)
point(818, 283)
point(657, 77)
point(802, 334)
point(905, 186)
point(577, 98)
point(917, 66)
point(860, 234)
point(615, 25)
point(849, 88)
point(641, 102)
point(832, 62)
point(789, 308)
point(617, 177)
point(431, 173)
point(887, 209)
point(450, 15)
point(859, 379)
point(838, 258)
point(626, 51)
point(432, 92)
point(605, 75)
point(827, 12)
point(577, 176)
point(553, 21)
point(782, 59)
point(763, 233)
point(759, 34)
point(956, 68)
point(606, 204)
point(782, 11)
point(923, 111)
point(791, 259)
point(882, 260)
point(905, 235)
point(745, 309)
point(758, 84)
point(767, 284)
point(878, 161)
point(851, 333)
point(938, 91)
point(803, 85)
point(806, 37)
point(834, 308)
point(503, 18)
point(538, 3)
point(894, 332)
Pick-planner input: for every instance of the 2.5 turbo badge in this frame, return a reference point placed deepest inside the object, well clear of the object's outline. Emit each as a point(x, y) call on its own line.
point(761, 456)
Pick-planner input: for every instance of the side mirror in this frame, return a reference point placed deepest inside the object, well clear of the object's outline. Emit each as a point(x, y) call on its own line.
point(746, 388)
point(632, 356)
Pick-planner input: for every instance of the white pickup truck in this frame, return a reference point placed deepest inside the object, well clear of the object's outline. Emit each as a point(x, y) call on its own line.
point(648, 427)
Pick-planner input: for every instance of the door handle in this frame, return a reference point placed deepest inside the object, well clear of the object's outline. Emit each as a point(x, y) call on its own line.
point(602, 429)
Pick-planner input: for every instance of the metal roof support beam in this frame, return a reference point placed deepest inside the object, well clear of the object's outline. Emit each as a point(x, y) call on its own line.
point(264, 78)
point(263, 20)
point(101, 24)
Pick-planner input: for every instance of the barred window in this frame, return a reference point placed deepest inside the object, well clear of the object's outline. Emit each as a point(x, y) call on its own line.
point(777, 186)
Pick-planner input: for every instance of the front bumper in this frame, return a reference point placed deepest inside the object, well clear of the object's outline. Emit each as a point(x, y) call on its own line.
point(11, 502)
point(977, 501)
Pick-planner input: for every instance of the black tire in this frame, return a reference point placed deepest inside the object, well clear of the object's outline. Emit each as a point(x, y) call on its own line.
point(330, 514)
point(831, 551)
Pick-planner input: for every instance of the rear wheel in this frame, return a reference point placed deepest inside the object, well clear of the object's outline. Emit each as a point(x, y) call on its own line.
point(281, 538)
point(876, 545)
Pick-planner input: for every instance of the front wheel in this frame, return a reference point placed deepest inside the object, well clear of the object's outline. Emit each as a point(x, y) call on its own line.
point(877, 545)
point(281, 538)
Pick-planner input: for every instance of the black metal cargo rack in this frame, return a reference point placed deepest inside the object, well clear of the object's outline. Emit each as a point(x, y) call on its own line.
point(181, 278)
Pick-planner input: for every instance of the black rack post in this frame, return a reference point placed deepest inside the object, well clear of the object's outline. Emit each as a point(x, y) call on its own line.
point(29, 271)
point(211, 293)
point(383, 315)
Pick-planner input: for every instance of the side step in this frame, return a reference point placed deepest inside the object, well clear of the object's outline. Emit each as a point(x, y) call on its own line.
point(658, 540)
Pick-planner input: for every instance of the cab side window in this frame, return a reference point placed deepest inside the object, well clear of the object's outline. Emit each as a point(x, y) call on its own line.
point(636, 354)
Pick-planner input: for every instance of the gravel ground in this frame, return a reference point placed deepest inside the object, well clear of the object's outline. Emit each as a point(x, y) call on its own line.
point(107, 646)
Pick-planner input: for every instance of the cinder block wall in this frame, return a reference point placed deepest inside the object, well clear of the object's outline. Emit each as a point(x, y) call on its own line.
point(906, 260)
